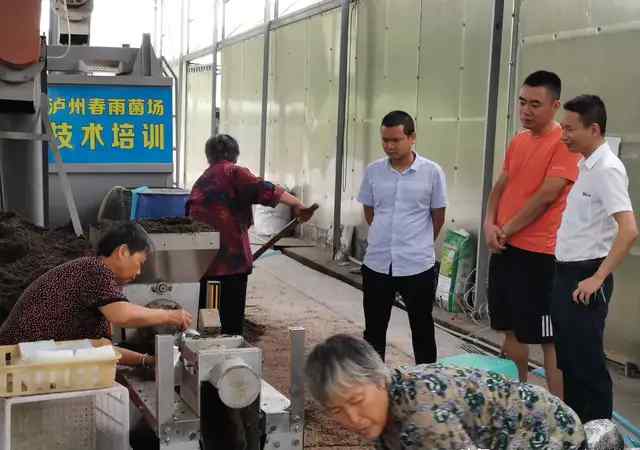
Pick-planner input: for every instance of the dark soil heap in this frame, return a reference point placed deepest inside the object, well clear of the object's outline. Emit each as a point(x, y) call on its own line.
point(27, 251)
point(164, 225)
point(174, 225)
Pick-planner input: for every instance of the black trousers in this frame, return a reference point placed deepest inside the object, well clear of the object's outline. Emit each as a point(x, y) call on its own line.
point(579, 332)
point(418, 293)
point(231, 292)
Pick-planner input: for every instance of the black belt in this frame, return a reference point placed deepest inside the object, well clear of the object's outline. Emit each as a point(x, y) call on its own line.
point(584, 262)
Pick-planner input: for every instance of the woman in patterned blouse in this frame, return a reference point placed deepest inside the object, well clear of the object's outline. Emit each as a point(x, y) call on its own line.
point(431, 406)
point(83, 298)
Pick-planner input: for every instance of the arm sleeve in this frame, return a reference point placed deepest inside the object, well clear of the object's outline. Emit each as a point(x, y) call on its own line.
point(254, 190)
point(365, 196)
point(614, 192)
point(563, 164)
point(506, 166)
point(439, 189)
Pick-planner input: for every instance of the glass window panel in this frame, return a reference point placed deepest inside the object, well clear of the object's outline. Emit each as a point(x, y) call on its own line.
point(289, 6)
point(117, 22)
point(44, 18)
point(171, 29)
point(242, 15)
point(200, 24)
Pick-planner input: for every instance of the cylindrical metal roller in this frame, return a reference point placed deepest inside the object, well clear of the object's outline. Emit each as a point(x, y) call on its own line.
point(237, 384)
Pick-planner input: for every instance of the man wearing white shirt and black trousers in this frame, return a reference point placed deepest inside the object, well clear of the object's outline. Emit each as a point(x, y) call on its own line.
point(404, 200)
point(597, 231)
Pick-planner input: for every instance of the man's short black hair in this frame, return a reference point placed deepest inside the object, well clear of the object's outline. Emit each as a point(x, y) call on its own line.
point(546, 79)
point(396, 118)
point(222, 148)
point(128, 233)
point(591, 110)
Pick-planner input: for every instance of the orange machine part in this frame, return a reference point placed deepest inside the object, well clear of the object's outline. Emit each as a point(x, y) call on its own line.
point(19, 32)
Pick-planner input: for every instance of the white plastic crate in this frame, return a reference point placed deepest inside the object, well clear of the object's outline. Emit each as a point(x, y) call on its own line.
point(80, 420)
point(20, 377)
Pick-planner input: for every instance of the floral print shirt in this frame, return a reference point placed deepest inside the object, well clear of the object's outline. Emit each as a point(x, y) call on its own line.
point(437, 407)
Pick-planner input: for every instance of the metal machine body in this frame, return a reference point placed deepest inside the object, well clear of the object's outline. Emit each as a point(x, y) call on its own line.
point(173, 271)
point(78, 25)
point(29, 183)
point(208, 390)
point(184, 294)
point(22, 157)
point(138, 69)
point(244, 412)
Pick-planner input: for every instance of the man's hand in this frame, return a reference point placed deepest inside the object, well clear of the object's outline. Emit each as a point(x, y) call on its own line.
point(503, 236)
point(180, 318)
point(304, 213)
point(494, 237)
point(586, 288)
point(505, 232)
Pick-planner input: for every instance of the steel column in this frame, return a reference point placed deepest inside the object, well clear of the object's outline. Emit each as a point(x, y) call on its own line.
point(489, 146)
point(341, 125)
point(182, 106)
point(513, 69)
point(214, 71)
point(44, 89)
point(62, 174)
point(265, 87)
point(177, 115)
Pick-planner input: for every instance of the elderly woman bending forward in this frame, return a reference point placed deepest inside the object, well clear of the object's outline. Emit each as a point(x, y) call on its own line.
point(435, 407)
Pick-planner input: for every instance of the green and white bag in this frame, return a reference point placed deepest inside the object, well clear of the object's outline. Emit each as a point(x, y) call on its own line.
point(457, 262)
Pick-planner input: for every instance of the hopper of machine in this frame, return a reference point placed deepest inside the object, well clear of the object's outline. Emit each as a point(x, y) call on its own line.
point(171, 275)
point(179, 257)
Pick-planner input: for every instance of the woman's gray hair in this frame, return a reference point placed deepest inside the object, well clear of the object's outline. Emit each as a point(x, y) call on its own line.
point(221, 147)
point(342, 362)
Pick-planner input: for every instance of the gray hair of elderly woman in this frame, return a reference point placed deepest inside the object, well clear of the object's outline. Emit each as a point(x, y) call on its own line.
point(340, 363)
point(222, 147)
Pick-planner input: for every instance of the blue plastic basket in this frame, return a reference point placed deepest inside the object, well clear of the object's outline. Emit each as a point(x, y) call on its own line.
point(155, 203)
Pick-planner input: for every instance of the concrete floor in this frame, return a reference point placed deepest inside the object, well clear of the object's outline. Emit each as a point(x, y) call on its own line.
point(327, 285)
point(341, 299)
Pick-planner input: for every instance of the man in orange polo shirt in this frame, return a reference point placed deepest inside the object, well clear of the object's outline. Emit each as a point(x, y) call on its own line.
point(523, 216)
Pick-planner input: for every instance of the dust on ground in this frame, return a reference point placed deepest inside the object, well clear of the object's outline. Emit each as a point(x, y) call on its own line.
point(272, 319)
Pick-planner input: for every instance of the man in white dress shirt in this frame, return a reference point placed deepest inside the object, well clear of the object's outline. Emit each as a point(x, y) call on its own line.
point(597, 231)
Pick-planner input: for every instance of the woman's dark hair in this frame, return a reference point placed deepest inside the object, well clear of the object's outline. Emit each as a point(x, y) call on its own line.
point(128, 233)
point(221, 148)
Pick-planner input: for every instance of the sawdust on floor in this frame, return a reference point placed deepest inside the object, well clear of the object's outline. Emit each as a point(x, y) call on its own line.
point(267, 328)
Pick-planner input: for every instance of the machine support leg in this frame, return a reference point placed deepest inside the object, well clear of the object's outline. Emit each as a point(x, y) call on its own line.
point(165, 387)
point(62, 173)
point(296, 337)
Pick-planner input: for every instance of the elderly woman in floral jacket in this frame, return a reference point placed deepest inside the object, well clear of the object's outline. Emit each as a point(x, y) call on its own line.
point(431, 406)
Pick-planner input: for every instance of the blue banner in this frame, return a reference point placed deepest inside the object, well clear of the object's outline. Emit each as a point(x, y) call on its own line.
point(98, 124)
